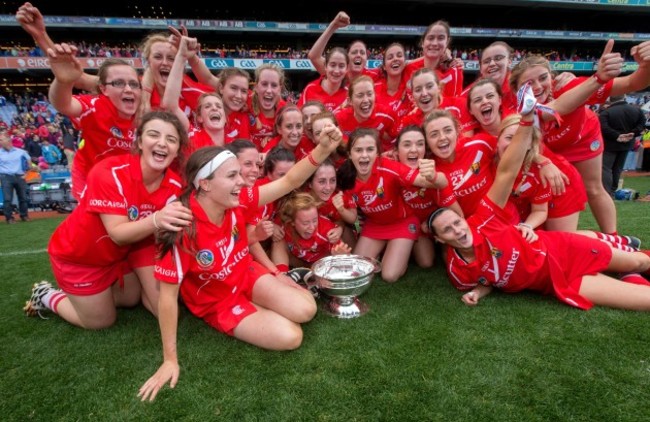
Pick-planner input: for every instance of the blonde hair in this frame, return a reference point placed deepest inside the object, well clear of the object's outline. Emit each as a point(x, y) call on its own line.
point(299, 201)
point(534, 149)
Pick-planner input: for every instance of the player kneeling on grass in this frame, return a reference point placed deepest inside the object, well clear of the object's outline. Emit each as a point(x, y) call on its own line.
point(96, 250)
point(209, 263)
point(485, 251)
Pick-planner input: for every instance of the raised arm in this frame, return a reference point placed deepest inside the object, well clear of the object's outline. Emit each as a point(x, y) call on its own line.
point(638, 80)
point(200, 70)
point(317, 51)
point(67, 70)
point(186, 49)
point(330, 137)
point(31, 20)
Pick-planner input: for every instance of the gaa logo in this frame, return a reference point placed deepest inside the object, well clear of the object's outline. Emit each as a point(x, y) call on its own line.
point(303, 64)
point(133, 213)
point(205, 257)
point(116, 132)
point(218, 64)
point(247, 64)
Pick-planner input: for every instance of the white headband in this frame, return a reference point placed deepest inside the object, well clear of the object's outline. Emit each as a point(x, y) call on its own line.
point(211, 166)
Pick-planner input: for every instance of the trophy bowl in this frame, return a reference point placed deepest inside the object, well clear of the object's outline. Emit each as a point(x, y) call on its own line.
point(342, 278)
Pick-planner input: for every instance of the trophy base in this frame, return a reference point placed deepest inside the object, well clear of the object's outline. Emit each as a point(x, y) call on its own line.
point(344, 308)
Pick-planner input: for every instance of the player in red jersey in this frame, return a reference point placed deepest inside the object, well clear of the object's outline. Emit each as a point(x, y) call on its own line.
point(329, 89)
point(319, 122)
point(411, 148)
point(364, 112)
point(485, 251)
point(111, 231)
point(233, 88)
point(435, 43)
point(375, 184)
point(288, 133)
point(322, 186)
point(390, 87)
point(264, 103)
point(357, 52)
point(308, 110)
point(308, 236)
point(107, 120)
point(428, 97)
point(578, 138)
point(209, 264)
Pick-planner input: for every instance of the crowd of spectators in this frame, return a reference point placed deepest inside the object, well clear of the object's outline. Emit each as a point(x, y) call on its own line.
point(128, 50)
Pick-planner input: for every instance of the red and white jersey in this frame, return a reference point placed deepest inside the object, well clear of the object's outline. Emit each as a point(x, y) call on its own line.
point(398, 103)
point(579, 125)
point(104, 132)
point(328, 210)
point(508, 100)
point(261, 126)
point(472, 172)
point(381, 119)
point(455, 105)
point(528, 190)
point(214, 265)
point(313, 249)
point(189, 98)
point(451, 79)
point(237, 126)
point(265, 211)
point(315, 91)
point(114, 187)
point(424, 201)
point(380, 196)
point(503, 258)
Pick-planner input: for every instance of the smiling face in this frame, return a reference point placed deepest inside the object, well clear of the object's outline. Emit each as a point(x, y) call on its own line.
point(358, 56)
point(442, 137)
point(435, 42)
point(306, 222)
point(495, 62)
point(394, 60)
point(323, 184)
point(411, 148)
point(268, 89)
point(159, 145)
point(160, 62)
point(224, 187)
point(505, 138)
point(363, 154)
point(426, 91)
point(318, 125)
point(484, 104)
point(363, 99)
point(248, 160)
point(336, 68)
point(281, 168)
point(453, 230)
point(211, 113)
point(234, 93)
point(307, 113)
point(290, 129)
point(126, 99)
point(540, 80)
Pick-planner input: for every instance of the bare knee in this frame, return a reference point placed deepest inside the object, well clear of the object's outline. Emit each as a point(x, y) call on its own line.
point(391, 276)
point(424, 262)
point(306, 312)
point(290, 338)
point(99, 323)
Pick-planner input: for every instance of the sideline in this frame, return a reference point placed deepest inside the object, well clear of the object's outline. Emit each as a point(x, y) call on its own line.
point(29, 252)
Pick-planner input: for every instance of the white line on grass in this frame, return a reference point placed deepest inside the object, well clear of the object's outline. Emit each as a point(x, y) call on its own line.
point(30, 252)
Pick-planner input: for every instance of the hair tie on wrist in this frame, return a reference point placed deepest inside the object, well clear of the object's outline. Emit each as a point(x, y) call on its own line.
point(155, 224)
point(525, 123)
point(598, 79)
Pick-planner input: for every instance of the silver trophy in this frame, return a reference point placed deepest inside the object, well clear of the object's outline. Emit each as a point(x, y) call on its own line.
point(342, 278)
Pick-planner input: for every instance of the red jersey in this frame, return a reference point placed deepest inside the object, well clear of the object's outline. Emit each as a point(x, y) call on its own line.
point(508, 100)
point(237, 126)
point(261, 126)
point(105, 134)
point(424, 201)
point(189, 98)
point(313, 249)
point(213, 266)
point(577, 126)
point(380, 197)
point(381, 119)
point(328, 210)
point(114, 187)
point(471, 173)
point(315, 91)
point(398, 103)
point(527, 190)
point(505, 260)
point(304, 147)
point(451, 79)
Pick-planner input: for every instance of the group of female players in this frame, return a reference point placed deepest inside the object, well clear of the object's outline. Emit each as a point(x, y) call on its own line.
point(173, 202)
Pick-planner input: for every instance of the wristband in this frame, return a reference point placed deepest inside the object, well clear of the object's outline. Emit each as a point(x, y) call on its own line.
point(598, 79)
point(155, 224)
point(544, 163)
point(311, 159)
point(528, 226)
point(525, 123)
